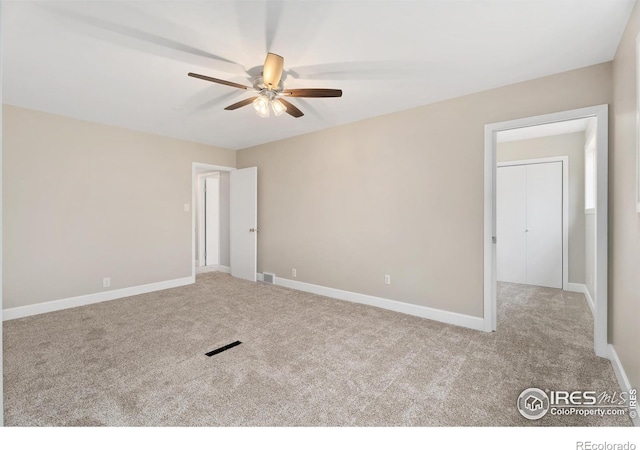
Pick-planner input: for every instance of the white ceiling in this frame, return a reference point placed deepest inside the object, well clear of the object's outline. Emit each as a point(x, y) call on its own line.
point(548, 129)
point(126, 63)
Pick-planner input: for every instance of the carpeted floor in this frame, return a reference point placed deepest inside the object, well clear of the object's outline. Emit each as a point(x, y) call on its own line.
point(304, 360)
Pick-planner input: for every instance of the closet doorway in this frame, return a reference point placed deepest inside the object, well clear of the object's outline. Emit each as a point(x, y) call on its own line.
point(531, 221)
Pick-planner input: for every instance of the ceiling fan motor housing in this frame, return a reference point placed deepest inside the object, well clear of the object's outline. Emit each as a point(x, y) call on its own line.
point(259, 86)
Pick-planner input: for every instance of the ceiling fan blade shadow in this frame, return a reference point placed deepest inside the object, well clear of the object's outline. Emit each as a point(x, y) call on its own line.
point(241, 103)
point(144, 41)
point(195, 104)
point(273, 14)
point(291, 109)
point(313, 111)
point(362, 70)
point(249, 23)
point(280, 23)
point(256, 71)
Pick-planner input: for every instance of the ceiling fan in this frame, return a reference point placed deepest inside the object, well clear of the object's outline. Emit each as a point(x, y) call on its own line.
point(270, 90)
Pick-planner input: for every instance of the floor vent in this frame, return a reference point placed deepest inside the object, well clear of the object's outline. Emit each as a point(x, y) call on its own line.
point(269, 277)
point(221, 349)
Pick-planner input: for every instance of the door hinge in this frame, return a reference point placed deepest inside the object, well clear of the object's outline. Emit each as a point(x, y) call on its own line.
point(494, 240)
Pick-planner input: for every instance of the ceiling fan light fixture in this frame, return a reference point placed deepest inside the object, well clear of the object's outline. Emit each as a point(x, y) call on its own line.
point(268, 88)
point(278, 108)
point(261, 105)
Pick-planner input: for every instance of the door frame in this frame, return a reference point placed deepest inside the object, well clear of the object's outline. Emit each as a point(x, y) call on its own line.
point(565, 205)
point(195, 166)
point(201, 219)
point(601, 113)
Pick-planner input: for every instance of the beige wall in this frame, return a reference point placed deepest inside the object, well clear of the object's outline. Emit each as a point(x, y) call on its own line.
point(84, 201)
point(571, 145)
point(400, 194)
point(624, 227)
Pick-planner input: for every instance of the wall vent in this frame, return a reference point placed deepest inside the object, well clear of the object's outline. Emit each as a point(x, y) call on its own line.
point(269, 277)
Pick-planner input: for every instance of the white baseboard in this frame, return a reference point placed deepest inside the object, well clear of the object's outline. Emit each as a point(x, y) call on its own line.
point(621, 375)
point(206, 269)
point(590, 301)
point(462, 320)
point(582, 288)
point(214, 268)
point(72, 302)
point(575, 287)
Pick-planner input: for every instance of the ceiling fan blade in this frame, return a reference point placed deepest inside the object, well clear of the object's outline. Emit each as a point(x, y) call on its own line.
point(216, 80)
point(291, 110)
point(310, 93)
point(240, 104)
point(272, 71)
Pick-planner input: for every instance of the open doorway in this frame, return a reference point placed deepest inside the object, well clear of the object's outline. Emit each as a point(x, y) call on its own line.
point(210, 217)
point(546, 208)
point(212, 221)
point(234, 208)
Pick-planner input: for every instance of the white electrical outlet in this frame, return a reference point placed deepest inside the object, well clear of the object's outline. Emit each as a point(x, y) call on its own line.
point(293, 273)
point(186, 207)
point(387, 279)
point(106, 282)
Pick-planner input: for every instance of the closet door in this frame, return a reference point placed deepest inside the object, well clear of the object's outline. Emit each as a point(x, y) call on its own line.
point(511, 203)
point(544, 224)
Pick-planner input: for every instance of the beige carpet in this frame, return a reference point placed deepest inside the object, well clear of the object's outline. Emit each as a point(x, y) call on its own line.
point(304, 360)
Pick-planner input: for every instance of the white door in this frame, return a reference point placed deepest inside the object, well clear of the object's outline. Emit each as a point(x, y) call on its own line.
point(511, 223)
point(544, 224)
point(529, 224)
point(212, 221)
point(244, 220)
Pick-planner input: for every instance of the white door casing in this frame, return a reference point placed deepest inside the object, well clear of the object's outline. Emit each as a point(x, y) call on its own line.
point(244, 219)
point(197, 169)
point(601, 113)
